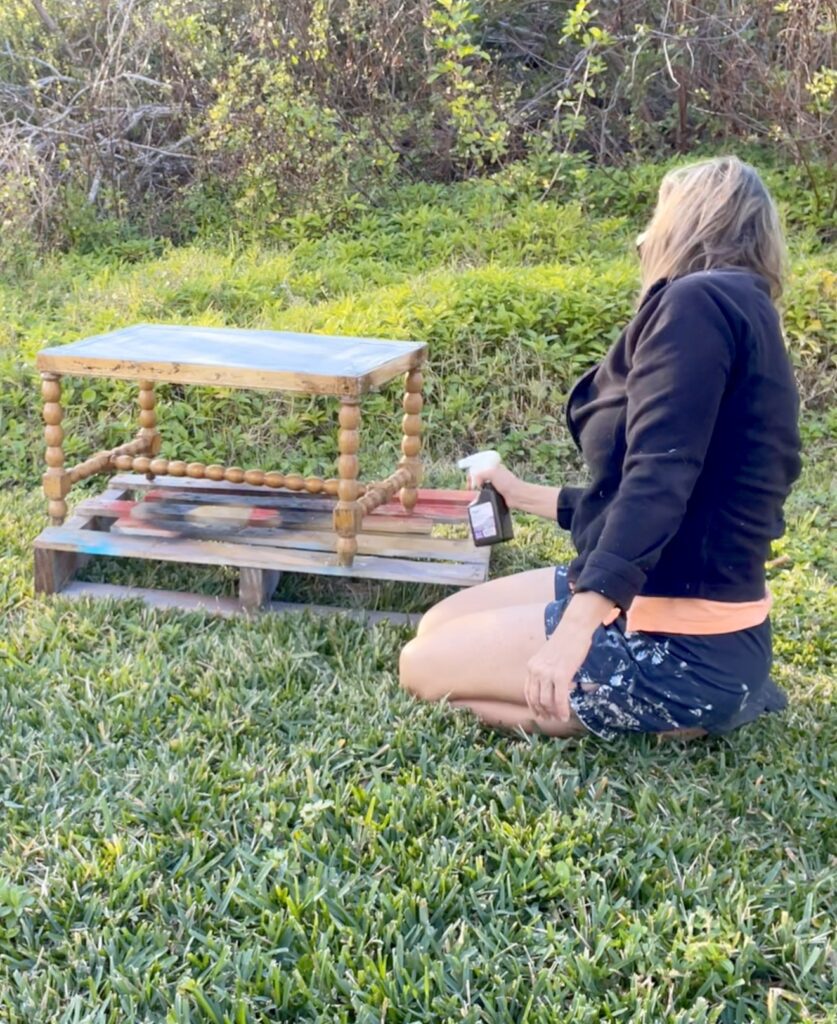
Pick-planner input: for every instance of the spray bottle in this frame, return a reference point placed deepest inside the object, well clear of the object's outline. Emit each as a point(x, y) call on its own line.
point(489, 514)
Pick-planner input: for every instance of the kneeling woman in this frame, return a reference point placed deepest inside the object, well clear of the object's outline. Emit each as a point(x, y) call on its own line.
point(688, 428)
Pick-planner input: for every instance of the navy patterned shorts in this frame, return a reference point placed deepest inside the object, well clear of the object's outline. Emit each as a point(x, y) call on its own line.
point(655, 682)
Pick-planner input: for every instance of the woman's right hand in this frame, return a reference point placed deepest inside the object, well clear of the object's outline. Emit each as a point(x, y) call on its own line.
point(538, 499)
point(501, 478)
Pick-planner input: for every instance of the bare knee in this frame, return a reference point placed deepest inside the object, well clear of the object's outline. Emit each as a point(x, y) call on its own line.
point(416, 673)
point(439, 614)
point(432, 617)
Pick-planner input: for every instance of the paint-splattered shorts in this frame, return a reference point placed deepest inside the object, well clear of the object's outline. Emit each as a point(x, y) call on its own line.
point(654, 682)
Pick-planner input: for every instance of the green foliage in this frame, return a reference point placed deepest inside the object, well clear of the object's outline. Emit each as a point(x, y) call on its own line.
point(163, 114)
point(810, 321)
point(822, 89)
point(247, 821)
point(480, 132)
point(279, 149)
point(515, 296)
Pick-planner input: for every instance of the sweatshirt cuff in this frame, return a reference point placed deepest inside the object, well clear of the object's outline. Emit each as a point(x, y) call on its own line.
point(567, 501)
point(611, 576)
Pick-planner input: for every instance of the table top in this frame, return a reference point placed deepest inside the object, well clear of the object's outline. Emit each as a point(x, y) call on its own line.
point(228, 357)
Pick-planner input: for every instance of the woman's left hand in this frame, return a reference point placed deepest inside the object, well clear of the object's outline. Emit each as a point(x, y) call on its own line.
point(551, 671)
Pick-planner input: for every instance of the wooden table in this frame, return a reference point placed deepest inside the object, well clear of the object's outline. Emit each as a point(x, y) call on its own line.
point(313, 364)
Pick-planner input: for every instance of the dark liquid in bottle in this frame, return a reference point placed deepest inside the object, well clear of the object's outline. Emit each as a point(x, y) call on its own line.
point(490, 518)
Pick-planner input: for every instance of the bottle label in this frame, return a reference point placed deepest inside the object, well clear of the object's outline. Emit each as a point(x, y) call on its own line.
point(482, 520)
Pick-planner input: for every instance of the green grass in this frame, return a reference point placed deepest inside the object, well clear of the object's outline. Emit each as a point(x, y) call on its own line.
point(215, 821)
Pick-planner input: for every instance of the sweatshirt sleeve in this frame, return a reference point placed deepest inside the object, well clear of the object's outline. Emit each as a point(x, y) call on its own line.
point(567, 501)
point(680, 367)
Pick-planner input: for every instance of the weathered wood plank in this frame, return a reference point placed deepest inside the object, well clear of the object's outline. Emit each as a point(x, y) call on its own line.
point(441, 503)
point(388, 545)
point(55, 569)
point(425, 515)
point(292, 518)
point(166, 600)
point(256, 586)
point(257, 557)
point(384, 545)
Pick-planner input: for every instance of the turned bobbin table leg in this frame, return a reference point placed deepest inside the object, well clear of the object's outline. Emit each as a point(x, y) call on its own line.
point(347, 513)
point(411, 440)
point(148, 422)
point(56, 479)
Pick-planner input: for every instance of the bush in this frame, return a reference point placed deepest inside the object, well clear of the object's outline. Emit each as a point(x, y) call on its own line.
point(175, 116)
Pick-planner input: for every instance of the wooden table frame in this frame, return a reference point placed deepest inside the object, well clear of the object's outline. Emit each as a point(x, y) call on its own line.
point(142, 453)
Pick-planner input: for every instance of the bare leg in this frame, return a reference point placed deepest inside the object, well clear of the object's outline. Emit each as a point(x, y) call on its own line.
point(512, 717)
point(479, 661)
point(536, 585)
point(501, 715)
point(481, 656)
point(684, 735)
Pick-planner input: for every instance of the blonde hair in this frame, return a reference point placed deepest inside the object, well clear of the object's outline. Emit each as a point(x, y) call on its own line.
point(712, 214)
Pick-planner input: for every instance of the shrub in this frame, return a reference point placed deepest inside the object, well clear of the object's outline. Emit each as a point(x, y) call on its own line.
point(176, 116)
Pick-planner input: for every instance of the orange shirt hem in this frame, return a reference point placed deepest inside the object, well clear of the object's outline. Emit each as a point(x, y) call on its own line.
point(693, 616)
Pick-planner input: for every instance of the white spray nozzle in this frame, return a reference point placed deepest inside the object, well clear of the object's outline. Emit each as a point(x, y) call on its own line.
point(480, 460)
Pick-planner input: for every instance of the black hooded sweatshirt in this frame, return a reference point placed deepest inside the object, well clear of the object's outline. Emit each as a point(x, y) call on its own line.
point(689, 431)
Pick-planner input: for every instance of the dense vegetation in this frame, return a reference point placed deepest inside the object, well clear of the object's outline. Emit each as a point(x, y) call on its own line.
point(129, 117)
point(514, 294)
point(214, 821)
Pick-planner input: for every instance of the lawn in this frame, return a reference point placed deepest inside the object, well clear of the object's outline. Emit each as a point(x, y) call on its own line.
point(206, 820)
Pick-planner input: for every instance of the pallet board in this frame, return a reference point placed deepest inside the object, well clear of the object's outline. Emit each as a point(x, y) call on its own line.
point(168, 600)
point(243, 555)
point(439, 506)
point(394, 545)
